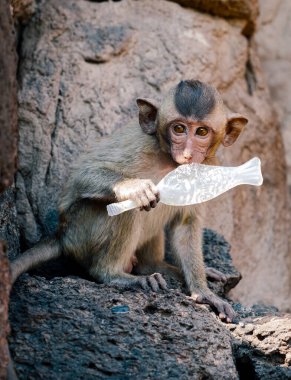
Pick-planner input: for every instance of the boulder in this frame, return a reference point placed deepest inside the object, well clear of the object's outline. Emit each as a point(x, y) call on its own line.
point(64, 325)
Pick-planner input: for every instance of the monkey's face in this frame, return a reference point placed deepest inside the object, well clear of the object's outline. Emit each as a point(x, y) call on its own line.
point(189, 141)
point(191, 122)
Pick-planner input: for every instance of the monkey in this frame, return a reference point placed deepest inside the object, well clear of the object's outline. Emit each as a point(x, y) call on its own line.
point(127, 250)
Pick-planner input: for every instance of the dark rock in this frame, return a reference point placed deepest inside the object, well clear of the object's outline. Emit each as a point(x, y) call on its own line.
point(8, 153)
point(8, 223)
point(4, 297)
point(63, 327)
point(217, 255)
point(8, 98)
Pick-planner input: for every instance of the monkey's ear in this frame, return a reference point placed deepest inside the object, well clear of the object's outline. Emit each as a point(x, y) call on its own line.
point(234, 126)
point(147, 116)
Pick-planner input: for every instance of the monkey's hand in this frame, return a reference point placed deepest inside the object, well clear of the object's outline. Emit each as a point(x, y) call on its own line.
point(142, 191)
point(224, 310)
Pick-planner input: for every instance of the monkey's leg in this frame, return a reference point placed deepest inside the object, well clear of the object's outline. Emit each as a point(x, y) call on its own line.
point(186, 240)
point(112, 257)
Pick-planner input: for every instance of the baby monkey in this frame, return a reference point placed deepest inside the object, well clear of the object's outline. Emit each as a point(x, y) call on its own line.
point(128, 249)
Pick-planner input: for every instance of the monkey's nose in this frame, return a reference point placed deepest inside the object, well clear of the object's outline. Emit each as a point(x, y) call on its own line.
point(187, 156)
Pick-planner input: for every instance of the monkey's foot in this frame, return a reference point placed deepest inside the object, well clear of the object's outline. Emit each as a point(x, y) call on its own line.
point(154, 282)
point(223, 309)
point(160, 267)
point(215, 275)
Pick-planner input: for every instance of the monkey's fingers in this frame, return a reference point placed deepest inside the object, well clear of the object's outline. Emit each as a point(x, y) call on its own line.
point(143, 201)
point(148, 200)
point(154, 190)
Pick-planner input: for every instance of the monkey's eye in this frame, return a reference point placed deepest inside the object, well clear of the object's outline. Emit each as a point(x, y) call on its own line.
point(179, 128)
point(202, 131)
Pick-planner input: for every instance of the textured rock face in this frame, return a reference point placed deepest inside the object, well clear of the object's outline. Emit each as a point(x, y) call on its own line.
point(8, 102)
point(82, 66)
point(63, 327)
point(8, 139)
point(246, 10)
point(274, 47)
point(160, 336)
point(263, 344)
point(4, 296)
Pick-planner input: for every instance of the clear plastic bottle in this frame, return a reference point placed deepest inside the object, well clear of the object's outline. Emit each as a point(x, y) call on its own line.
point(196, 183)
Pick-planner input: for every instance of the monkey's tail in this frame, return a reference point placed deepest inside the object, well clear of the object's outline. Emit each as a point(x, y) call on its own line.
point(44, 251)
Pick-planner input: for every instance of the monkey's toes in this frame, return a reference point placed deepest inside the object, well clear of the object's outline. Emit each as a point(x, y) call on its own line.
point(154, 282)
point(160, 280)
point(222, 308)
point(215, 275)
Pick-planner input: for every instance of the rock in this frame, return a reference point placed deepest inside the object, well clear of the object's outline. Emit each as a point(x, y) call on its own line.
point(4, 297)
point(262, 348)
point(8, 100)
point(82, 66)
point(22, 10)
point(274, 47)
point(246, 10)
point(9, 231)
point(120, 333)
point(216, 252)
point(8, 138)
point(65, 326)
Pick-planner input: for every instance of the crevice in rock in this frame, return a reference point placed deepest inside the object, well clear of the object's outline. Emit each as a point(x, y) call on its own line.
point(58, 118)
point(245, 368)
point(250, 76)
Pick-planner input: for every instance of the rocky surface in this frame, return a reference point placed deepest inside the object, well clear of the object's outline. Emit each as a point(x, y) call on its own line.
point(83, 64)
point(8, 139)
point(9, 231)
point(246, 10)
point(262, 346)
point(4, 297)
point(8, 98)
point(274, 47)
point(65, 326)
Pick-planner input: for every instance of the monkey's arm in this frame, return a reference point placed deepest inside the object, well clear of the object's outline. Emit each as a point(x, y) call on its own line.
point(187, 246)
point(97, 183)
point(104, 184)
